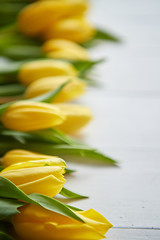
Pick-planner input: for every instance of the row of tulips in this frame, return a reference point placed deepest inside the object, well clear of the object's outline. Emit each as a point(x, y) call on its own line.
point(37, 119)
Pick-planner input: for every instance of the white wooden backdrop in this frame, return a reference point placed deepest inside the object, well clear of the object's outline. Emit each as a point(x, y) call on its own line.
point(126, 124)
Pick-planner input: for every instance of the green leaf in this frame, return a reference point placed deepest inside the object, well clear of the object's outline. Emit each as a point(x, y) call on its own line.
point(3, 226)
point(1, 168)
point(56, 137)
point(4, 229)
point(11, 90)
point(84, 66)
point(4, 106)
point(21, 52)
point(54, 205)
point(74, 208)
point(53, 136)
point(16, 135)
point(100, 35)
point(49, 96)
point(72, 195)
point(48, 135)
point(67, 170)
point(10, 37)
point(9, 11)
point(107, 36)
point(8, 207)
point(83, 151)
point(10, 67)
point(9, 190)
point(6, 79)
point(63, 150)
point(5, 236)
point(10, 28)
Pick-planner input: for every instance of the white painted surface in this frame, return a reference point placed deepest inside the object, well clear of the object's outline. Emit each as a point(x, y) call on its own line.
point(126, 123)
point(132, 234)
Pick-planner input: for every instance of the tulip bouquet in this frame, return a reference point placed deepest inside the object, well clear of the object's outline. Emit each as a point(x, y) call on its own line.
point(37, 216)
point(45, 66)
point(30, 180)
point(52, 29)
point(16, 77)
point(38, 124)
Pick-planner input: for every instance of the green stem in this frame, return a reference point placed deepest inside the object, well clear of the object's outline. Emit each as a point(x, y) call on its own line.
point(12, 90)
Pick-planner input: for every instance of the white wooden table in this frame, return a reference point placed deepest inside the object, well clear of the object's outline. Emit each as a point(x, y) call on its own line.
point(126, 123)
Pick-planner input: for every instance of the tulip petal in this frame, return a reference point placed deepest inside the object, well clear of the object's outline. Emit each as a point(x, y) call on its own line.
point(75, 29)
point(35, 70)
point(65, 49)
point(72, 90)
point(74, 231)
point(36, 163)
point(77, 116)
point(49, 186)
point(19, 155)
point(34, 18)
point(44, 224)
point(96, 220)
point(30, 116)
point(26, 175)
point(51, 231)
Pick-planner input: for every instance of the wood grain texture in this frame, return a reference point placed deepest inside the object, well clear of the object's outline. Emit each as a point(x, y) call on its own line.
point(132, 234)
point(127, 195)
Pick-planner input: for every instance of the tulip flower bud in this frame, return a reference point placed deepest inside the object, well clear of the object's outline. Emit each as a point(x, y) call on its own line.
point(65, 49)
point(30, 116)
point(38, 176)
point(77, 116)
point(72, 90)
point(34, 70)
point(34, 18)
point(18, 156)
point(74, 29)
point(34, 222)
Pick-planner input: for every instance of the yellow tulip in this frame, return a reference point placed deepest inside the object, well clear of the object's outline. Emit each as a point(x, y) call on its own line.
point(77, 116)
point(34, 222)
point(30, 116)
point(65, 49)
point(72, 90)
point(74, 29)
point(34, 70)
point(35, 17)
point(39, 176)
point(18, 156)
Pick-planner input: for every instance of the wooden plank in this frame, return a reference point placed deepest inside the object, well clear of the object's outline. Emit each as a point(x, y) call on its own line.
point(129, 7)
point(127, 196)
point(132, 234)
point(134, 64)
point(123, 122)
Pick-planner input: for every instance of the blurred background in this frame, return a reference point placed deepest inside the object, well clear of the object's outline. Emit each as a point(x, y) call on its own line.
point(126, 121)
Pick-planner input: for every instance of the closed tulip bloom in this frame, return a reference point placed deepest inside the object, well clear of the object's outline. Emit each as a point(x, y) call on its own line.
point(35, 17)
point(74, 88)
point(74, 29)
point(36, 177)
point(77, 116)
point(17, 156)
point(65, 49)
point(30, 116)
point(35, 163)
point(35, 70)
point(34, 222)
